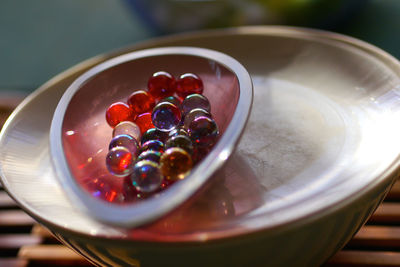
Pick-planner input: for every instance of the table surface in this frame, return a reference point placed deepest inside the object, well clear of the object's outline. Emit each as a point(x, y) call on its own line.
point(39, 39)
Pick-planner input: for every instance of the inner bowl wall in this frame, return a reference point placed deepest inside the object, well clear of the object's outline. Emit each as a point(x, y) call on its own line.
point(86, 134)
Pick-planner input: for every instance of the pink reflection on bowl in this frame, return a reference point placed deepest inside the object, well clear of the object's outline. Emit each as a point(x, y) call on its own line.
point(87, 134)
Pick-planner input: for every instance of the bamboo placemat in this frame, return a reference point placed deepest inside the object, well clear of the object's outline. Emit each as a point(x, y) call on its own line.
point(25, 243)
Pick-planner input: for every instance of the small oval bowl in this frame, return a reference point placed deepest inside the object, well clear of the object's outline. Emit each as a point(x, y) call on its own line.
point(79, 133)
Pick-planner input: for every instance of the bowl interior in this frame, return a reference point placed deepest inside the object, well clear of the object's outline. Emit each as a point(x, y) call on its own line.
point(86, 134)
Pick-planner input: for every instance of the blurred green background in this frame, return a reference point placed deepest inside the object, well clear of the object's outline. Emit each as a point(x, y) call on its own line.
point(39, 39)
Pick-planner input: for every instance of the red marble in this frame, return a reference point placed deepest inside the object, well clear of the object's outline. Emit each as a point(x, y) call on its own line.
point(141, 102)
point(188, 84)
point(161, 84)
point(144, 122)
point(118, 112)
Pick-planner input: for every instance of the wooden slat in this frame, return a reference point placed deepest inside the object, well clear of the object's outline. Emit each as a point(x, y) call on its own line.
point(52, 255)
point(13, 262)
point(15, 221)
point(6, 201)
point(394, 193)
point(374, 236)
point(46, 236)
point(387, 212)
point(50, 252)
point(15, 241)
point(5, 111)
point(10, 218)
point(364, 258)
point(39, 230)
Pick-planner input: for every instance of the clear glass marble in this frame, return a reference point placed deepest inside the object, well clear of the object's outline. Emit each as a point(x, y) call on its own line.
point(180, 141)
point(146, 176)
point(166, 116)
point(203, 132)
point(193, 114)
point(127, 127)
point(126, 141)
point(119, 161)
point(195, 101)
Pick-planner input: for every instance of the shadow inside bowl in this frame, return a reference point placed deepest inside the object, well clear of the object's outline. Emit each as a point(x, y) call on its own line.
point(233, 191)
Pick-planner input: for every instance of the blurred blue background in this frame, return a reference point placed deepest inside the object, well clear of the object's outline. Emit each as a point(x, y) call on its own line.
point(39, 39)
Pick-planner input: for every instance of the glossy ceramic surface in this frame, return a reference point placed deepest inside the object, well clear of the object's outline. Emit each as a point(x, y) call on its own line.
point(320, 151)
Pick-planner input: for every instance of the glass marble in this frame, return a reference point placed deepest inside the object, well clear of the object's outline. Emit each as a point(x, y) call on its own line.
point(126, 141)
point(144, 122)
point(193, 114)
point(166, 116)
point(153, 134)
point(203, 132)
point(146, 176)
point(154, 145)
point(119, 161)
point(129, 128)
point(180, 141)
point(175, 163)
point(161, 84)
point(173, 100)
point(187, 84)
point(178, 131)
point(195, 101)
point(141, 101)
point(118, 112)
point(150, 155)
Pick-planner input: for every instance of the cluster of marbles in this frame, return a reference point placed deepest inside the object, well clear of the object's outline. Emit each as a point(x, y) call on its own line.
point(160, 133)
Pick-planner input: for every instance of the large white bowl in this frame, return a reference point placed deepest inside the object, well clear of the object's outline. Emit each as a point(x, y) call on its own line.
point(319, 153)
